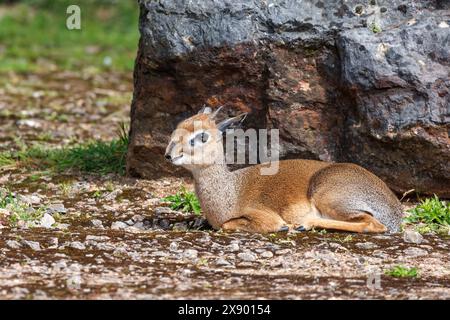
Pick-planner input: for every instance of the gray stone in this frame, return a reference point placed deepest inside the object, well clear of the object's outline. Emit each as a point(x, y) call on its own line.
point(77, 245)
point(97, 223)
point(412, 236)
point(56, 208)
point(415, 252)
point(34, 245)
point(31, 199)
point(163, 210)
point(190, 254)
point(267, 254)
point(47, 221)
point(314, 69)
point(118, 225)
point(13, 244)
point(247, 256)
point(232, 247)
point(222, 262)
point(366, 245)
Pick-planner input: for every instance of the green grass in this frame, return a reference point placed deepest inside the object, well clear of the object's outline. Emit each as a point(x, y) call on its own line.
point(402, 272)
point(90, 157)
point(375, 27)
point(185, 201)
point(34, 36)
point(19, 211)
point(431, 215)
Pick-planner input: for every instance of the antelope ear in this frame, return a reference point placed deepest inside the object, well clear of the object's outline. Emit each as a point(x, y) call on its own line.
point(205, 109)
point(231, 122)
point(215, 113)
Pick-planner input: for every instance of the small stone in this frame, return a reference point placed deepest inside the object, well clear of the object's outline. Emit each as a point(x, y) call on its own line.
point(222, 262)
point(180, 226)
point(13, 244)
point(96, 238)
point(57, 207)
point(77, 245)
point(113, 195)
point(232, 247)
point(32, 244)
point(53, 243)
point(31, 199)
point(366, 245)
point(164, 224)
point(173, 246)
point(247, 256)
point(162, 210)
point(139, 225)
point(190, 254)
point(47, 221)
point(62, 226)
point(118, 225)
point(412, 236)
point(138, 218)
point(29, 123)
point(415, 252)
point(283, 252)
point(97, 223)
point(267, 254)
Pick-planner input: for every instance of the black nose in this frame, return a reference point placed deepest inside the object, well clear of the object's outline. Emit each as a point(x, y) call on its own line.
point(168, 157)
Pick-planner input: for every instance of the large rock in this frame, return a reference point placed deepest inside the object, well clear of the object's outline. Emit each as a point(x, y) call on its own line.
point(316, 70)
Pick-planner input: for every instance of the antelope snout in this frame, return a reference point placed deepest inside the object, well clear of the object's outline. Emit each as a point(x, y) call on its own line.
point(168, 153)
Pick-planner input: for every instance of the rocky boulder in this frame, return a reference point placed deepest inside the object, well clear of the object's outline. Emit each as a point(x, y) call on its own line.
point(365, 82)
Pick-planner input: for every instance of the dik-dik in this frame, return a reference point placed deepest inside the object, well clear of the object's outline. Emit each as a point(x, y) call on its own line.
point(304, 194)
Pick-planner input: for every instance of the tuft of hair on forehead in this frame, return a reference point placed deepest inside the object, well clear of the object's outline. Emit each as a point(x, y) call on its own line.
point(192, 123)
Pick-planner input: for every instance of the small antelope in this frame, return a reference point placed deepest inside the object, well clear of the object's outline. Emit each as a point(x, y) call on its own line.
point(304, 194)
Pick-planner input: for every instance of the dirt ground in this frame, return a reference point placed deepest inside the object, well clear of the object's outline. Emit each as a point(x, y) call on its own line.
point(114, 239)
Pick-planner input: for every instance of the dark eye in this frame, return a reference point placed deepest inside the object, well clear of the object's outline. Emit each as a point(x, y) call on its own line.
point(201, 137)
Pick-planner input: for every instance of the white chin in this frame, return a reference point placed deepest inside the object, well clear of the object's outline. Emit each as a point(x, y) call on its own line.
point(178, 161)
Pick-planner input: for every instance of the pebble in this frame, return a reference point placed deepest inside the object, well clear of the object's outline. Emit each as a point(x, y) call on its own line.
point(97, 223)
point(415, 252)
point(31, 199)
point(412, 236)
point(13, 244)
point(173, 246)
point(267, 254)
point(32, 244)
point(118, 225)
point(113, 195)
point(247, 256)
point(232, 247)
point(162, 210)
point(96, 238)
point(222, 262)
point(53, 243)
point(57, 207)
point(47, 221)
point(77, 245)
point(366, 245)
point(190, 254)
point(283, 252)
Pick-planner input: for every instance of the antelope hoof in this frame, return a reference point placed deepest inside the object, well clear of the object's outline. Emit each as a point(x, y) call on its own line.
point(300, 229)
point(283, 229)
